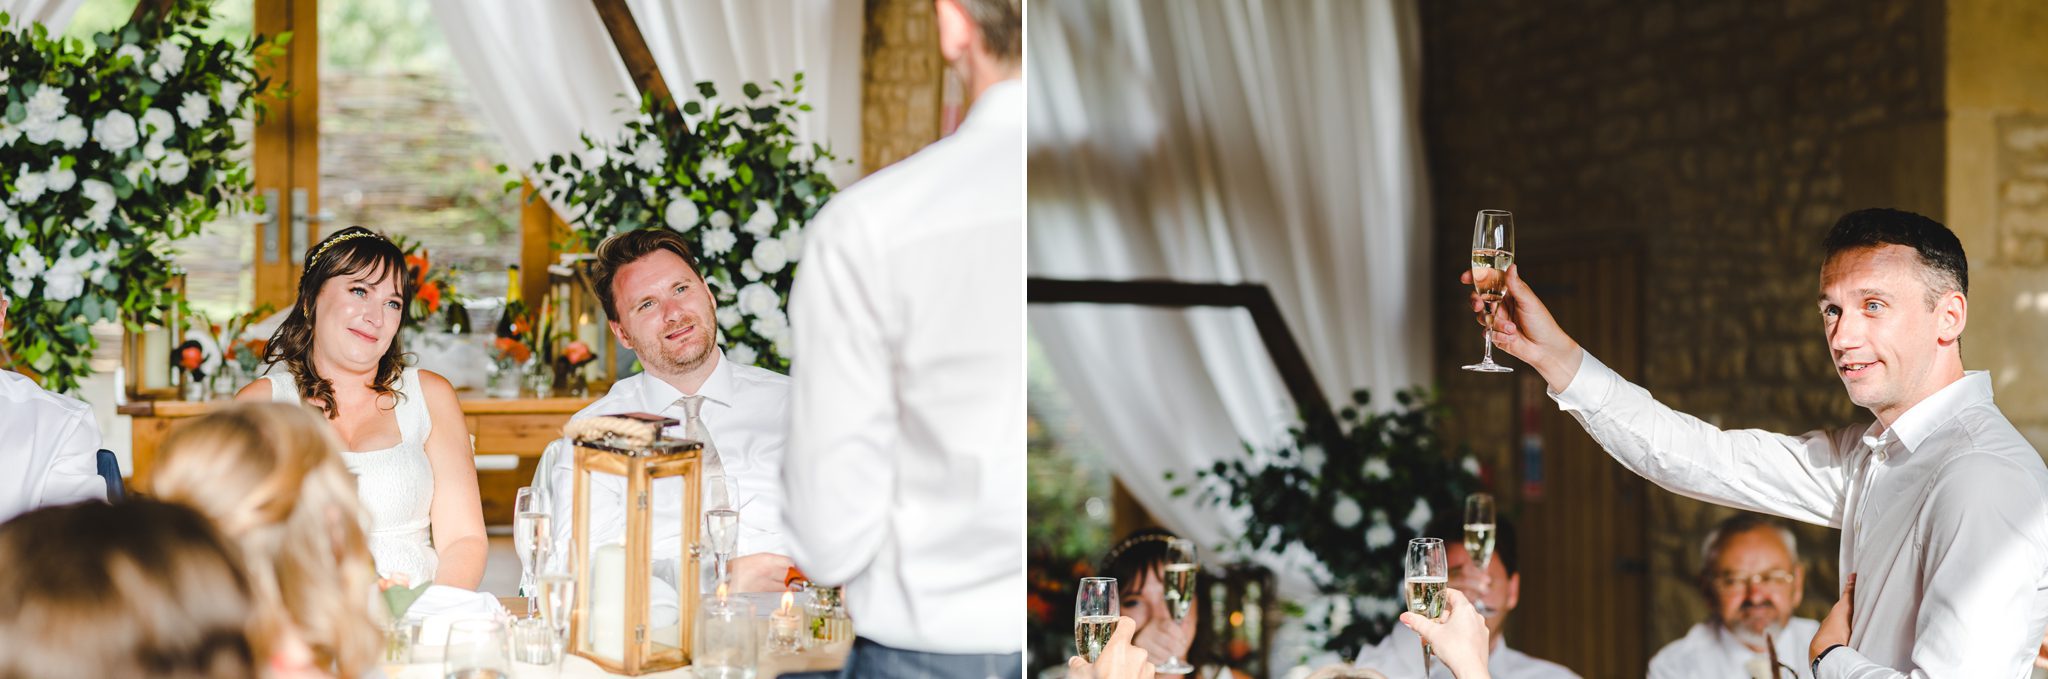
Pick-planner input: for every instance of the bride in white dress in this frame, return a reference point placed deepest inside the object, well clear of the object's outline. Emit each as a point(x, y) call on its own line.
point(409, 447)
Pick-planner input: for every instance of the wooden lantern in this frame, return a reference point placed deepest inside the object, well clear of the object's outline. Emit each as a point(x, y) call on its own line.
point(612, 623)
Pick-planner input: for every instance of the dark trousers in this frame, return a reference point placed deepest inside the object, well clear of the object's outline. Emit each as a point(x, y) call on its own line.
point(870, 660)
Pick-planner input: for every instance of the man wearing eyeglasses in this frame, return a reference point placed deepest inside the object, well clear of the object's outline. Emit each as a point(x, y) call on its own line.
point(1752, 579)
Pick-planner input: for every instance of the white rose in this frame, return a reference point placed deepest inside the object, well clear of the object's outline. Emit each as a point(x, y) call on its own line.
point(763, 221)
point(773, 326)
point(1312, 458)
point(135, 171)
point(1347, 512)
point(719, 241)
point(757, 299)
point(728, 317)
point(10, 224)
point(231, 94)
point(243, 127)
point(3, 75)
point(65, 280)
point(153, 150)
point(170, 59)
point(102, 196)
point(594, 158)
point(59, 179)
point(174, 168)
point(749, 271)
point(23, 286)
point(1418, 518)
point(1471, 465)
point(39, 131)
point(1380, 534)
point(70, 131)
point(47, 105)
point(681, 214)
point(132, 52)
point(116, 132)
point(8, 133)
point(157, 125)
point(792, 243)
point(1377, 469)
point(715, 168)
point(194, 109)
point(28, 186)
point(28, 263)
point(769, 256)
point(742, 354)
point(649, 155)
point(720, 220)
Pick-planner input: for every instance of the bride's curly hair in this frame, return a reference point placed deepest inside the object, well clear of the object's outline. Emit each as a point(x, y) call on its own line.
point(346, 252)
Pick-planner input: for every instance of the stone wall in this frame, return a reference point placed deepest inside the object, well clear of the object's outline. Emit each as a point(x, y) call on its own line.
point(1722, 137)
point(901, 78)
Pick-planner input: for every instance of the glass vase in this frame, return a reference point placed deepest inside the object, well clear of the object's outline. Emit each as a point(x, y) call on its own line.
point(503, 379)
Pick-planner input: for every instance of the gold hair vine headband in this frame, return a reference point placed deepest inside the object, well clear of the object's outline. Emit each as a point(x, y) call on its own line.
point(1121, 547)
point(335, 240)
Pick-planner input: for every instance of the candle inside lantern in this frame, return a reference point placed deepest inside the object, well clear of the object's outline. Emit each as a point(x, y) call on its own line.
point(608, 601)
point(784, 625)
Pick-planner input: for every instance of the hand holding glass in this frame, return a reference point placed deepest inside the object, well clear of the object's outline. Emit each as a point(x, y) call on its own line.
point(1428, 573)
point(1095, 613)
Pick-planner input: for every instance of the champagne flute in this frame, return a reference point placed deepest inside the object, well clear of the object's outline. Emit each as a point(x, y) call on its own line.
point(1179, 578)
point(1480, 531)
point(1493, 251)
point(477, 650)
point(721, 526)
point(1428, 570)
point(1095, 613)
point(529, 538)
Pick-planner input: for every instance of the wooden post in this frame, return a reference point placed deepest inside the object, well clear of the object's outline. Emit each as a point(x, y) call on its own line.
point(632, 46)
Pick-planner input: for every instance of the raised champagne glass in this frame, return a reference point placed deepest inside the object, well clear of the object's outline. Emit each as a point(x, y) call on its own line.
point(1095, 613)
point(1428, 573)
point(1480, 531)
point(1178, 576)
point(1493, 251)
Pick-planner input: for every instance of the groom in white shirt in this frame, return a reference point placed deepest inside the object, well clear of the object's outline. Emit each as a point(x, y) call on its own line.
point(906, 448)
point(48, 445)
point(660, 308)
point(1943, 505)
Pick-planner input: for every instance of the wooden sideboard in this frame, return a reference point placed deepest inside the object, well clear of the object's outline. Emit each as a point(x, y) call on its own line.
point(521, 427)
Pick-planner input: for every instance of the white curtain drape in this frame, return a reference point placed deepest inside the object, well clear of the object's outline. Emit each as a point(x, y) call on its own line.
point(729, 42)
point(543, 72)
point(52, 14)
point(1225, 141)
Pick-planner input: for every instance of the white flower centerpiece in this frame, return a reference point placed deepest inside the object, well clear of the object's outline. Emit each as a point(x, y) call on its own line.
point(732, 179)
point(1352, 498)
point(110, 151)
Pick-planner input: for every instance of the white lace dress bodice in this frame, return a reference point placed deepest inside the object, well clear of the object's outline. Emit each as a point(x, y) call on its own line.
point(396, 484)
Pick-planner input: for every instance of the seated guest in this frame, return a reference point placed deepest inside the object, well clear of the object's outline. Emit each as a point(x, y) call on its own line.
point(137, 589)
point(409, 447)
point(1751, 577)
point(1500, 588)
point(48, 445)
point(270, 475)
point(1138, 563)
point(661, 308)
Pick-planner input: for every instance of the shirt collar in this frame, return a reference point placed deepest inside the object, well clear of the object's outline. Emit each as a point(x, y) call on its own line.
point(1928, 416)
point(657, 394)
point(999, 105)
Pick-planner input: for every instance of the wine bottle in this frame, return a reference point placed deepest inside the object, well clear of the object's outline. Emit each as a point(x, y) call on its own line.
point(514, 307)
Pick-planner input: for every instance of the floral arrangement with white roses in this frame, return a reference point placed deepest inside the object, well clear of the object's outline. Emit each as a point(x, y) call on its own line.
point(1352, 493)
point(110, 150)
point(734, 180)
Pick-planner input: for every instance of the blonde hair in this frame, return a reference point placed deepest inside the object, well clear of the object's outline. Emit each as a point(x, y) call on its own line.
point(138, 589)
point(271, 475)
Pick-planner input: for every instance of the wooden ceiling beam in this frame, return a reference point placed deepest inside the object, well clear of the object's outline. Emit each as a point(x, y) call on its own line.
point(632, 46)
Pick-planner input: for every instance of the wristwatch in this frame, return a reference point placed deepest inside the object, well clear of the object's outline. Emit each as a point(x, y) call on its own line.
point(1823, 656)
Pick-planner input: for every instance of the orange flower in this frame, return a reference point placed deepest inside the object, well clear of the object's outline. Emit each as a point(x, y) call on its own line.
point(520, 325)
point(1038, 607)
point(418, 264)
point(258, 346)
point(431, 296)
point(578, 353)
point(514, 349)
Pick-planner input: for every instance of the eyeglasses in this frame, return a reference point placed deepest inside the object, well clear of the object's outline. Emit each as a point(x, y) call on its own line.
point(1731, 581)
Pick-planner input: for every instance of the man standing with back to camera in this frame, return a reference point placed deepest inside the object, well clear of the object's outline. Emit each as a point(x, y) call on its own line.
point(1943, 506)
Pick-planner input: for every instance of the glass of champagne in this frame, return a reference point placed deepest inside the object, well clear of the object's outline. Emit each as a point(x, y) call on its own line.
point(1178, 576)
point(1428, 573)
point(477, 650)
point(1095, 613)
point(530, 540)
point(721, 525)
point(1479, 536)
point(1493, 251)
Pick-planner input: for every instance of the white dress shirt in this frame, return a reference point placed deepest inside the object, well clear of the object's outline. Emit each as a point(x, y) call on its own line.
point(906, 447)
point(746, 410)
point(1708, 651)
point(1399, 656)
point(1944, 516)
point(49, 445)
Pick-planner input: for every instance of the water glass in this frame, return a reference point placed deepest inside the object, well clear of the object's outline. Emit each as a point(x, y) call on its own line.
point(476, 650)
point(725, 640)
point(536, 649)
